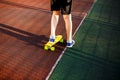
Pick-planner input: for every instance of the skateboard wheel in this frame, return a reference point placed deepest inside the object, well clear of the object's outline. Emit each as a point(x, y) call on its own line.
point(45, 48)
point(52, 48)
point(62, 40)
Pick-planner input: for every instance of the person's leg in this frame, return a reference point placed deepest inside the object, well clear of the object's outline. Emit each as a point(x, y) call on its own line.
point(54, 22)
point(68, 23)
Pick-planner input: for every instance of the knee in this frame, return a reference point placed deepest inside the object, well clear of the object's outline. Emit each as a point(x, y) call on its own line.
point(67, 17)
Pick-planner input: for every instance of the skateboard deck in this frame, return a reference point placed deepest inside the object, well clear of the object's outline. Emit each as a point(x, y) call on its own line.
point(50, 45)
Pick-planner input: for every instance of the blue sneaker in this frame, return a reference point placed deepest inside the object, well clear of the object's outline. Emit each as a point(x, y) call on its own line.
point(70, 44)
point(51, 40)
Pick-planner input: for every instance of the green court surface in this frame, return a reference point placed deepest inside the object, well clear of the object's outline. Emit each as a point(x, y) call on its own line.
point(96, 54)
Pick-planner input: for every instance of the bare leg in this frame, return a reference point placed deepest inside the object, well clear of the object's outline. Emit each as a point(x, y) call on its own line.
point(54, 22)
point(68, 24)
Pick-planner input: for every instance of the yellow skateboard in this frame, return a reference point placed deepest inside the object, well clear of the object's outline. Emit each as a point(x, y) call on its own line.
point(50, 45)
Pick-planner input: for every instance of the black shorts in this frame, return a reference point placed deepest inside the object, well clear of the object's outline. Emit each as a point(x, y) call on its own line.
point(63, 5)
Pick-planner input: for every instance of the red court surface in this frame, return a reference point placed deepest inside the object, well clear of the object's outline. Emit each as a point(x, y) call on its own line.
point(24, 29)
